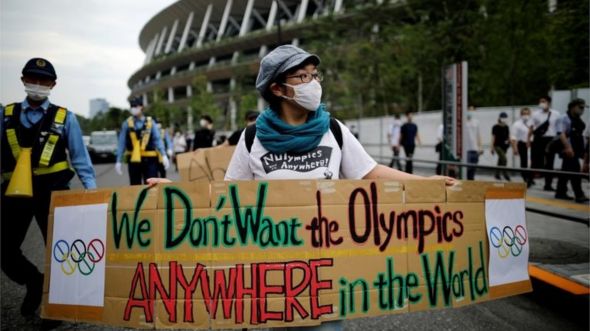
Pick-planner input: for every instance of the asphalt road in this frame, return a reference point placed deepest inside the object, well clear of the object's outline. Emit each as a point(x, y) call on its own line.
point(546, 308)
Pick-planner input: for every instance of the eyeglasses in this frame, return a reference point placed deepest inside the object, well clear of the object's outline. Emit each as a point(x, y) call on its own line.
point(307, 77)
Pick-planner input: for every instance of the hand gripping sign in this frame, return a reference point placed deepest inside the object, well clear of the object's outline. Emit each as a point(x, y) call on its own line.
point(265, 254)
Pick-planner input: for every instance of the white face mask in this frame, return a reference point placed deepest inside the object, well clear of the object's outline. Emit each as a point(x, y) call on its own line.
point(37, 92)
point(543, 105)
point(203, 123)
point(503, 120)
point(135, 111)
point(525, 117)
point(307, 95)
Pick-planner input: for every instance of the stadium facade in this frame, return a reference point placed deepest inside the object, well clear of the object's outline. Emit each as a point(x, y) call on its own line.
point(223, 40)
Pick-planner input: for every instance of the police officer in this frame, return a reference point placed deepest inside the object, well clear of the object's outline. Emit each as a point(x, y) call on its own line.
point(44, 135)
point(139, 144)
point(570, 130)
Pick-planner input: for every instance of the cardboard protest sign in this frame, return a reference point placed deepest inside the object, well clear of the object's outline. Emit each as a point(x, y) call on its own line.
point(274, 253)
point(204, 163)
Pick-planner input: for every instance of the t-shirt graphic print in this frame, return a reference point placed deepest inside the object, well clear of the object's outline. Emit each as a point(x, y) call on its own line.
point(303, 162)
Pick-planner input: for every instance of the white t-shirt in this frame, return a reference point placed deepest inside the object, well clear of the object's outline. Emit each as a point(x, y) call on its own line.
point(472, 133)
point(519, 130)
point(539, 117)
point(326, 161)
point(394, 132)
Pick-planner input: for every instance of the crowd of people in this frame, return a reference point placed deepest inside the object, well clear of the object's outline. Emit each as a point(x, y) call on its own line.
point(536, 138)
point(295, 122)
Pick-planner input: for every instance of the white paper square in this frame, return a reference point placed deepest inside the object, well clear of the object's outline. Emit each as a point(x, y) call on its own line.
point(508, 241)
point(77, 278)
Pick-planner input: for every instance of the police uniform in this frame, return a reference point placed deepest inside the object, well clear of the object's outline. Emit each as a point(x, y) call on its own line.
point(50, 133)
point(140, 146)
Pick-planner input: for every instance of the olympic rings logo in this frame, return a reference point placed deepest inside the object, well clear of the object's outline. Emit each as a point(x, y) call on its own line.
point(508, 241)
point(78, 255)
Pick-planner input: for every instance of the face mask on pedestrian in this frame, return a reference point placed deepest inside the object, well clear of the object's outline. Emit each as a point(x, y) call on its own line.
point(203, 123)
point(543, 105)
point(135, 111)
point(525, 118)
point(307, 95)
point(503, 120)
point(37, 92)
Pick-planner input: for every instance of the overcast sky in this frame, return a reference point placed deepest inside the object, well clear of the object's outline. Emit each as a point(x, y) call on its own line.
point(92, 44)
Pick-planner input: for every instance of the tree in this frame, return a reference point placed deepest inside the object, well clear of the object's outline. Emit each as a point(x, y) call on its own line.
point(386, 58)
point(203, 102)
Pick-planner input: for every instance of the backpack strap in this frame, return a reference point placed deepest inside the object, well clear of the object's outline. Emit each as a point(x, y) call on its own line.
point(336, 131)
point(334, 127)
point(250, 134)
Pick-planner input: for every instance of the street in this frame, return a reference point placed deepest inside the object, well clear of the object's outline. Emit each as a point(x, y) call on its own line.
point(553, 241)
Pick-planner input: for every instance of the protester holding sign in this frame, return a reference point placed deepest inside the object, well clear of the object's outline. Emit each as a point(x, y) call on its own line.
point(295, 137)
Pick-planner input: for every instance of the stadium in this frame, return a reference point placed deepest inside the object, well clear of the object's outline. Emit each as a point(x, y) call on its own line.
point(222, 41)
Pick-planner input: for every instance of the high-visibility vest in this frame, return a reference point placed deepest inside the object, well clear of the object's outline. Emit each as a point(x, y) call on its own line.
point(46, 138)
point(138, 142)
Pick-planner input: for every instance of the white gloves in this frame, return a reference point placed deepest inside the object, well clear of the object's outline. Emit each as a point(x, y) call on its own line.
point(169, 152)
point(118, 168)
point(166, 162)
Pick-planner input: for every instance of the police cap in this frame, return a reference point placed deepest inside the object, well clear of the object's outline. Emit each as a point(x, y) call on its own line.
point(136, 101)
point(39, 67)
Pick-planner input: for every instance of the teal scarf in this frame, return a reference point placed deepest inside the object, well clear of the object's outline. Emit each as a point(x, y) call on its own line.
point(280, 137)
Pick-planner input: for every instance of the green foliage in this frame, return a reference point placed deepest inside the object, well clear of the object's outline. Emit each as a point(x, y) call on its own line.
point(110, 120)
point(203, 102)
point(375, 58)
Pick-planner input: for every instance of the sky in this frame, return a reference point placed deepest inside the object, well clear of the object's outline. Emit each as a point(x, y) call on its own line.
point(93, 46)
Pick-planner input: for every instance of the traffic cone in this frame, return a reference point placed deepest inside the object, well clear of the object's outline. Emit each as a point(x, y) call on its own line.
point(21, 182)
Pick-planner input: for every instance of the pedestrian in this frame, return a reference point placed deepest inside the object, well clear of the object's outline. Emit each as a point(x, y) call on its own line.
point(544, 131)
point(570, 130)
point(500, 144)
point(250, 119)
point(472, 142)
point(408, 138)
point(139, 145)
point(393, 136)
point(205, 134)
point(520, 140)
point(179, 144)
point(167, 142)
point(37, 138)
point(189, 137)
point(297, 123)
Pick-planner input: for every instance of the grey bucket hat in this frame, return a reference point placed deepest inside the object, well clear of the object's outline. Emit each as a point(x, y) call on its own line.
point(278, 61)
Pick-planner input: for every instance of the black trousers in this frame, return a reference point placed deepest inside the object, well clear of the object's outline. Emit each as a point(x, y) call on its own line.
point(541, 159)
point(395, 159)
point(161, 170)
point(570, 164)
point(523, 154)
point(140, 172)
point(17, 214)
point(409, 151)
